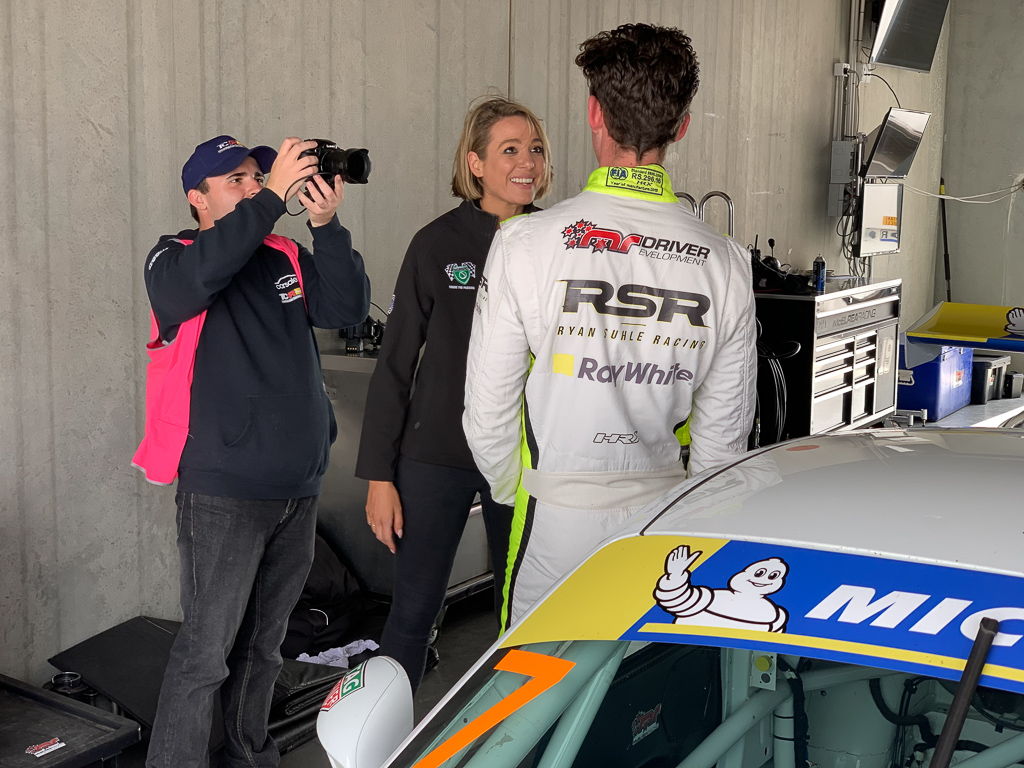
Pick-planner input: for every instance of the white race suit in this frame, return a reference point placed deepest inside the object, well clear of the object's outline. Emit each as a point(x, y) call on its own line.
point(603, 325)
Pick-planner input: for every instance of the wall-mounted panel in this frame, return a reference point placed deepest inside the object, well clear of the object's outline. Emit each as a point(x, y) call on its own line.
point(920, 233)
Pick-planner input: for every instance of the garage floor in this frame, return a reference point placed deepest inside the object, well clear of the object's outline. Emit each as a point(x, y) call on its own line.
point(469, 629)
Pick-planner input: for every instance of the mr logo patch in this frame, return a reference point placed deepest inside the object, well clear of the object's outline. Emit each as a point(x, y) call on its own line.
point(461, 274)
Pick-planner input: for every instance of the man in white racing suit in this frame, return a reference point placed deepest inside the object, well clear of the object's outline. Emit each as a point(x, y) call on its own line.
point(607, 326)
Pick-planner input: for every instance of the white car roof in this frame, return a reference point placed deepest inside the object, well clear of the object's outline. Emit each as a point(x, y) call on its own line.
point(886, 548)
point(950, 496)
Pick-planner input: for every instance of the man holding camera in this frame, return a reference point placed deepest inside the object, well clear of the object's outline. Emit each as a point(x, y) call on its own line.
point(607, 326)
point(236, 410)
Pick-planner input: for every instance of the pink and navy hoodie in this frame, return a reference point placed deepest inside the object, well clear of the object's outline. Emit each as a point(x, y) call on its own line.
point(259, 421)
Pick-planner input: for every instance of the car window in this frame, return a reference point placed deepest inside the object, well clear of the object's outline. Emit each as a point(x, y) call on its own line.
point(616, 703)
point(610, 697)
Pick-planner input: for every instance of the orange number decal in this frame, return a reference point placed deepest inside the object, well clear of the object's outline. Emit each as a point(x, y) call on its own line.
point(545, 671)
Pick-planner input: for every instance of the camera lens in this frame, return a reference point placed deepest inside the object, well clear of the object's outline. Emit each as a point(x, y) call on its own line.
point(353, 165)
point(332, 163)
point(357, 166)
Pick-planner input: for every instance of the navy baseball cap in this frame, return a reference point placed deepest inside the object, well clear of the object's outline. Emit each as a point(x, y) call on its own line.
point(221, 155)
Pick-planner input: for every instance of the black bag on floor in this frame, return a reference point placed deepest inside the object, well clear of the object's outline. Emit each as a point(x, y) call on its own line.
point(126, 664)
point(333, 609)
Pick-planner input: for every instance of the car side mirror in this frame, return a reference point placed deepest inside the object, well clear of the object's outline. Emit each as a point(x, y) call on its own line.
point(366, 715)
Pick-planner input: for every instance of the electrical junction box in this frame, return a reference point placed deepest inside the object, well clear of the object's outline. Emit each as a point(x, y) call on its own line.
point(880, 215)
point(843, 167)
point(842, 171)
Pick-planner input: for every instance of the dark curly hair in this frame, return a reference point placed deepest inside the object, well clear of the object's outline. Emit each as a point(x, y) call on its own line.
point(644, 78)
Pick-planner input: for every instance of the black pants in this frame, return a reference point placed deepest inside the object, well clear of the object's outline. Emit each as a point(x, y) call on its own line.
point(243, 565)
point(435, 505)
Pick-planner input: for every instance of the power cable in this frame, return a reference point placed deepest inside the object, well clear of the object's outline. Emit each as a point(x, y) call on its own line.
point(872, 74)
point(1003, 194)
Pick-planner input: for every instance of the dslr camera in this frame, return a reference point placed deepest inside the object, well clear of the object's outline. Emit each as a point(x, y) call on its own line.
point(353, 165)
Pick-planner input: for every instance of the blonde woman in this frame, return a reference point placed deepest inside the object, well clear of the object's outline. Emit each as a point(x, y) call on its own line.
point(413, 451)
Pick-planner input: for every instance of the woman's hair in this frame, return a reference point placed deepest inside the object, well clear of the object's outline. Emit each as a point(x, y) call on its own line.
point(476, 132)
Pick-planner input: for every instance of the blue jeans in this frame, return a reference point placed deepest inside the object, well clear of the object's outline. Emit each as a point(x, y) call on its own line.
point(435, 506)
point(244, 563)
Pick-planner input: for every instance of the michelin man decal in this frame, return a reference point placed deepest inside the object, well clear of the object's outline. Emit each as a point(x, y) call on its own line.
point(743, 605)
point(1015, 322)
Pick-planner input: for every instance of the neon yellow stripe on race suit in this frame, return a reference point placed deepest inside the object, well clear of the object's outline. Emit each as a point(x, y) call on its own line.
point(644, 182)
point(520, 513)
point(682, 432)
point(515, 541)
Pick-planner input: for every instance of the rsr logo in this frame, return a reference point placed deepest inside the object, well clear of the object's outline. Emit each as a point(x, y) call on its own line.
point(636, 301)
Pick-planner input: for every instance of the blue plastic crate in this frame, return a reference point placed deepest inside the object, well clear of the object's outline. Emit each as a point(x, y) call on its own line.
point(941, 386)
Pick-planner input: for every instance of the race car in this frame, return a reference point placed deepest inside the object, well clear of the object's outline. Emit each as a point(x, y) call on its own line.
point(852, 600)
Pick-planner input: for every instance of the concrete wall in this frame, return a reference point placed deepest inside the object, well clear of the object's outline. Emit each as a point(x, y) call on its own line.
point(761, 120)
point(985, 151)
point(101, 102)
